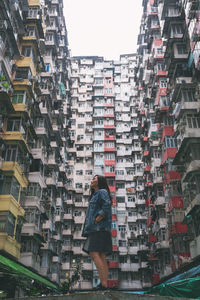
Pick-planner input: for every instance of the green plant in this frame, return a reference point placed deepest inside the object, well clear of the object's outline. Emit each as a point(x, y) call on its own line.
point(67, 285)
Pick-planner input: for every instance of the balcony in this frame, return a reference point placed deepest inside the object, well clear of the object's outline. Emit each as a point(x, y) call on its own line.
point(66, 248)
point(30, 229)
point(162, 245)
point(29, 259)
point(65, 266)
point(113, 265)
point(194, 203)
point(87, 266)
point(9, 245)
point(175, 202)
point(178, 228)
point(14, 169)
point(15, 136)
point(8, 203)
point(27, 62)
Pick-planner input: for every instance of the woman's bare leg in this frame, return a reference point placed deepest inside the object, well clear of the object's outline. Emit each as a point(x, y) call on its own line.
point(103, 257)
point(102, 268)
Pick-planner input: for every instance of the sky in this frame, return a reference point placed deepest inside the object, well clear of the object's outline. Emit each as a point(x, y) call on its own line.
point(105, 28)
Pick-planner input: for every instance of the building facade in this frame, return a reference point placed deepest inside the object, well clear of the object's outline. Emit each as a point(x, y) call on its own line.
point(34, 114)
point(167, 81)
point(136, 121)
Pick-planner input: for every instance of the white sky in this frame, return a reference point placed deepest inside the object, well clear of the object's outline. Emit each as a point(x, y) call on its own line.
point(102, 27)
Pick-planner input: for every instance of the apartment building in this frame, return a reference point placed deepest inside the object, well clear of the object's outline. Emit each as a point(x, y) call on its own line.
point(167, 82)
point(105, 141)
point(34, 114)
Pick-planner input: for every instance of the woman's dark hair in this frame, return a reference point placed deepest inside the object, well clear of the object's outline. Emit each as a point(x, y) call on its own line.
point(102, 184)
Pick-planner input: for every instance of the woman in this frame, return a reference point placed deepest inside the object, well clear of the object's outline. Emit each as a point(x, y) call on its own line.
point(97, 227)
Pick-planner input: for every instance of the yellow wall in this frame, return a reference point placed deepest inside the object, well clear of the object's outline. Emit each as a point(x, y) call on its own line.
point(9, 203)
point(9, 244)
point(14, 169)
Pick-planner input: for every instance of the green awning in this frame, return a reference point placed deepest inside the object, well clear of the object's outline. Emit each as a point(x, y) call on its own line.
point(23, 271)
point(186, 288)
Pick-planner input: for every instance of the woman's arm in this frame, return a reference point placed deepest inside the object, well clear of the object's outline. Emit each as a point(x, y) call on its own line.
point(105, 204)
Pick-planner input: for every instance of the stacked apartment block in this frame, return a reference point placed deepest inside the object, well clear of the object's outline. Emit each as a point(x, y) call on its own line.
point(167, 80)
point(34, 113)
point(105, 140)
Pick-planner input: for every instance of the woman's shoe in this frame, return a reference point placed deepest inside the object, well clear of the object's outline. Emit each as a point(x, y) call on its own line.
point(100, 287)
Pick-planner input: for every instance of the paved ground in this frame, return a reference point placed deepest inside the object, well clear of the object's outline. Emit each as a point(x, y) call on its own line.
point(102, 296)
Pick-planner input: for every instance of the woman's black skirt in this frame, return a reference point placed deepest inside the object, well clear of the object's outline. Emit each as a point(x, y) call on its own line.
point(99, 241)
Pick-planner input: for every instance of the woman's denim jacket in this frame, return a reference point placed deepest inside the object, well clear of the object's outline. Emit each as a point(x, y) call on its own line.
point(100, 204)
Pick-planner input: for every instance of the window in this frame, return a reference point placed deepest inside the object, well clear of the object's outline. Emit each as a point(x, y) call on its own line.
point(122, 228)
point(32, 12)
point(182, 48)
point(80, 125)
point(10, 186)
point(19, 97)
point(123, 259)
point(164, 101)
point(170, 142)
point(188, 95)
point(120, 185)
point(77, 213)
point(110, 169)
point(27, 51)
point(34, 189)
point(193, 121)
point(30, 31)
point(163, 83)
point(119, 172)
point(7, 222)
point(14, 124)
point(79, 172)
point(122, 243)
point(133, 243)
point(88, 172)
point(176, 29)
point(120, 199)
point(79, 186)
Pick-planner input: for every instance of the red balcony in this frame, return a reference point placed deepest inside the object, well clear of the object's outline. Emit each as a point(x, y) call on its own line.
point(149, 221)
point(178, 228)
point(114, 248)
point(152, 238)
point(114, 232)
point(109, 162)
point(109, 104)
point(161, 92)
point(175, 202)
point(152, 257)
point(108, 115)
point(167, 131)
point(147, 168)
point(149, 184)
point(161, 73)
point(113, 264)
point(169, 153)
point(109, 138)
point(112, 188)
point(146, 138)
point(148, 202)
point(113, 283)
point(114, 217)
point(109, 126)
point(156, 278)
point(146, 153)
point(109, 174)
point(109, 149)
point(172, 176)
